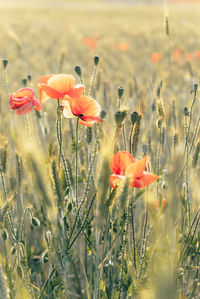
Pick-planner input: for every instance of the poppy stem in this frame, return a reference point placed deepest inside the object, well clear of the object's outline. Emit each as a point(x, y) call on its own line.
point(76, 162)
point(59, 128)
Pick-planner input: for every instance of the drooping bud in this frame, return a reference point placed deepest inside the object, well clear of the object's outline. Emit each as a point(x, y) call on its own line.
point(186, 111)
point(159, 123)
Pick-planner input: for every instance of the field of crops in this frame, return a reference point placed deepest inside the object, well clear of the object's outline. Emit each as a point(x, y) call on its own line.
point(99, 160)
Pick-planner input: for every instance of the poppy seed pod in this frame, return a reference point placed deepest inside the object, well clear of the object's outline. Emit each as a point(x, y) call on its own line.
point(96, 60)
point(195, 87)
point(5, 63)
point(120, 91)
point(134, 117)
point(120, 117)
point(78, 70)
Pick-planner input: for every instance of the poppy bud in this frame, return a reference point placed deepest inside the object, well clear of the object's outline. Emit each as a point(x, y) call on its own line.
point(5, 63)
point(78, 70)
point(134, 117)
point(186, 112)
point(195, 87)
point(69, 208)
point(120, 91)
point(159, 123)
point(96, 60)
point(119, 117)
point(24, 82)
point(29, 77)
point(35, 222)
point(5, 235)
point(103, 114)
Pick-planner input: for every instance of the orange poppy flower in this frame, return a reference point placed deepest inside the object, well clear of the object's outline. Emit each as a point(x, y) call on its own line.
point(23, 101)
point(86, 108)
point(197, 53)
point(155, 57)
point(123, 46)
point(58, 86)
point(123, 165)
point(91, 43)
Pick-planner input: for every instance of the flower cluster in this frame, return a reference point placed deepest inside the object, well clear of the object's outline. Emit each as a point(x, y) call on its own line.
point(75, 104)
point(62, 87)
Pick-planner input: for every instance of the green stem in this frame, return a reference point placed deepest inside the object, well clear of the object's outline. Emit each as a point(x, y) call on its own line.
point(76, 163)
point(27, 125)
point(59, 128)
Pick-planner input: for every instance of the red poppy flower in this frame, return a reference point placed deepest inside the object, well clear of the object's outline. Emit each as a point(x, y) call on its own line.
point(123, 165)
point(155, 57)
point(23, 101)
point(86, 108)
point(58, 86)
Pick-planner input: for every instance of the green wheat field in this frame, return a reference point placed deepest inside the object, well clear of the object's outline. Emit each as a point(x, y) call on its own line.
point(66, 229)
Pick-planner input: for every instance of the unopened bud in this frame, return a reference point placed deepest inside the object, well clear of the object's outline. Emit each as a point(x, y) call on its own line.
point(103, 114)
point(78, 70)
point(120, 91)
point(134, 117)
point(5, 63)
point(186, 111)
point(120, 117)
point(96, 60)
point(24, 82)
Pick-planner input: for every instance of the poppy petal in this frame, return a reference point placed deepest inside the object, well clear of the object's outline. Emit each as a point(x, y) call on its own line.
point(85, 106)
point(137, 168)
point(25, 109)
point(46, 92)
point(44, 79)
point(77, 91)
point(144, 180)
point(61, 82)
point(120, 161)
point(25, 92)
point(67, 110)
point(115, 180)
point(37, 105)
